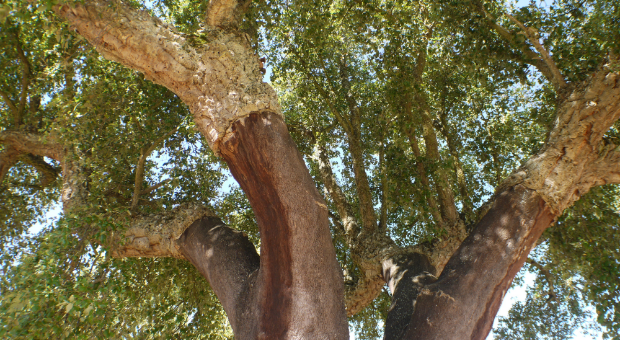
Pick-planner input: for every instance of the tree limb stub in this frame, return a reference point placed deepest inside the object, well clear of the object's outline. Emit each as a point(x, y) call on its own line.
point(220, 81)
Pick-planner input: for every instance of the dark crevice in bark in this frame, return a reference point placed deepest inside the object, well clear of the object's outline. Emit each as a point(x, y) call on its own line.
point(406, 275)
point(229, 261)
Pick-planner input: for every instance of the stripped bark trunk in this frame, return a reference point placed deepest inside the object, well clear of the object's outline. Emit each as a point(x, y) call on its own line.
point(301, 282)
point(297, 289)
point(464, 300)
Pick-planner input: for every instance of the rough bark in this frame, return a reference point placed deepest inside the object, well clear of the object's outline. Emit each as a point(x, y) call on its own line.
point(25, 142)
point(220, 81)
point(575, 157)
point(155, 235)
point(301, 293)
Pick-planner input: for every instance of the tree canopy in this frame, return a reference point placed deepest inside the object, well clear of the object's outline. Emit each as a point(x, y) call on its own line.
point(410, 117)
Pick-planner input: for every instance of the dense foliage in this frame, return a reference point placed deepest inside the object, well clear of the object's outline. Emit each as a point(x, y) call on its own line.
point(391, 74)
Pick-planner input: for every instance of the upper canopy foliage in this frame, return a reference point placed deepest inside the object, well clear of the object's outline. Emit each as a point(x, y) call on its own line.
point(441, 99)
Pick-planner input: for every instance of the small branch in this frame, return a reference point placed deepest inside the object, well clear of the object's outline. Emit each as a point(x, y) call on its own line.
point(9, 103)
point(548, 276)
point(154, 187)
point(444, 191)
point(532, 36)
point(530, 56)
point(31, 143)
point(144, 154)
point(332, 108)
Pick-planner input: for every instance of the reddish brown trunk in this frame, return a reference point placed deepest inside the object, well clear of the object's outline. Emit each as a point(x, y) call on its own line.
point(463, 302)
point(301, 285)
point(228, 260)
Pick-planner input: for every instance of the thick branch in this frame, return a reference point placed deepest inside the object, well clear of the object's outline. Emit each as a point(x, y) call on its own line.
point(460, 174)
point(298, 261)
point(345, 210)
point(575, 155)
point(444, 191)
point(30, 143)
point(367, 287)
point(477, 276)
point(25, 83)
point(228, 260)
point(155, 235)
point(384, 189)
point(8, 158)
point(221, 81)
point(481, 271)
point(422, 175)
point(406, 275)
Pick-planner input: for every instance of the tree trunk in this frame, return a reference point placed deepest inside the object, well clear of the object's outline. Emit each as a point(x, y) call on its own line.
point(301, 283)
point(463, 302)
point(228, 260)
